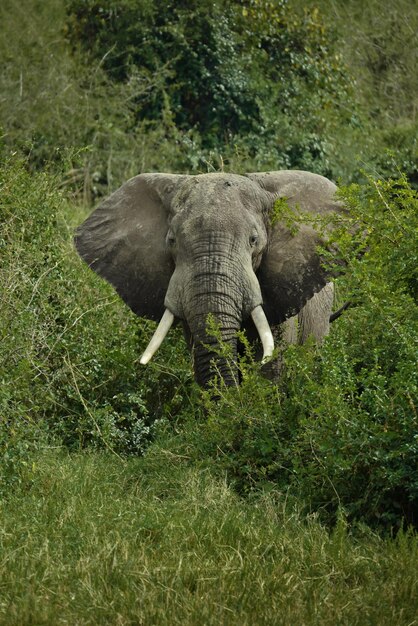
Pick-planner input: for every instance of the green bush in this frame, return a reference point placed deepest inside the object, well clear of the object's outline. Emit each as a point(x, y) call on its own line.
point(340, 429)
point(69, 348)
point(252, 81)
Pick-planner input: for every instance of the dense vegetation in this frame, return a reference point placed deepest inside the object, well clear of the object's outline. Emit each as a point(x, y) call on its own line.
point(286, 476)
point(197, 86)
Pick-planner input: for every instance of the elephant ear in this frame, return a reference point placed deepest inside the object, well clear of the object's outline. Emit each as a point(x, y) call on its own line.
point(123, 240)
point(290, 272)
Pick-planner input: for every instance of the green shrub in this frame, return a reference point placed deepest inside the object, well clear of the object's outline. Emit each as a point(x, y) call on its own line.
point(340, 429)
point(251, 81)
point(69, 347)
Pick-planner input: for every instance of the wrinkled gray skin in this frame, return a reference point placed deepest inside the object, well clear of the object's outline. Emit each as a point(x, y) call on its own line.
point(205, 244)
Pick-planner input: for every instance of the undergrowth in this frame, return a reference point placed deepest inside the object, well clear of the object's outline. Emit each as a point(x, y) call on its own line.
point(69, 349)
point(340, 427)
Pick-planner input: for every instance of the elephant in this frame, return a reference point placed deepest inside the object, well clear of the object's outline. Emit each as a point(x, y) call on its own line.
point(181, 247)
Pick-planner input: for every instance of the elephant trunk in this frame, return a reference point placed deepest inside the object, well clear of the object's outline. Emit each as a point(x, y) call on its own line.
point(213, 303)
point(215, 349)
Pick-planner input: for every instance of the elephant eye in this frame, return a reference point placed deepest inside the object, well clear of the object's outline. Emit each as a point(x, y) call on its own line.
point(170, 239)
point(253, 240)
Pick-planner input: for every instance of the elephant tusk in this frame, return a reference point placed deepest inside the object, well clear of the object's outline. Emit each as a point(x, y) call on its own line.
point(158, 337)
point(263, 328)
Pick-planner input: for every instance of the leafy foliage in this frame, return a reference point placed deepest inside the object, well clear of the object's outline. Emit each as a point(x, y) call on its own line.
point(246, 85)
point(235, 74)
point(341, 427)
point(60, 373)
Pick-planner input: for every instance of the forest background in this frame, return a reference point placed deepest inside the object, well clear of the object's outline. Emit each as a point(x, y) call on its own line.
point(120, 482)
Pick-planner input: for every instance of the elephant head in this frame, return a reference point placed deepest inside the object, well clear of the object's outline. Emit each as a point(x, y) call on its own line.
point(183, 247)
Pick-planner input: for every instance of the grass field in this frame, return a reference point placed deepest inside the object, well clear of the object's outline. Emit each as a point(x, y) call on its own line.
point(98, 540)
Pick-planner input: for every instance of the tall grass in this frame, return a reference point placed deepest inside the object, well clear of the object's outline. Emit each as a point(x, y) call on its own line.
point(156, 541)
